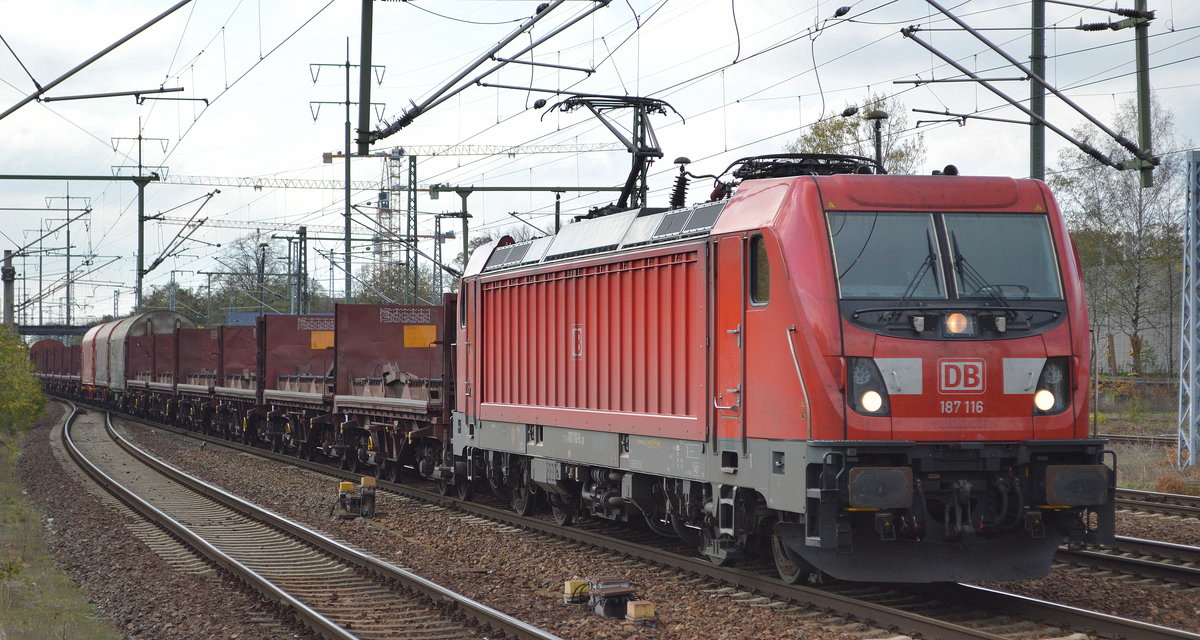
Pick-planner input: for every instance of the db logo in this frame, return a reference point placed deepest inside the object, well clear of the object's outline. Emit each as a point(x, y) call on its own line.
point(960, 376)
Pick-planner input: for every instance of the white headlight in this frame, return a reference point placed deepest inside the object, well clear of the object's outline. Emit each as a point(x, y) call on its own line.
point(871, 401)
point(1043, 400)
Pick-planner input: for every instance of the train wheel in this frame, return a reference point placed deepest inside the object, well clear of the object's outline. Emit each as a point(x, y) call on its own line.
point(689, 535)
point(463, 489)
point(711, 549)
point(444, 487)
point(563, 514)
point(791, 567)
point(394, 473)
point(524, 495)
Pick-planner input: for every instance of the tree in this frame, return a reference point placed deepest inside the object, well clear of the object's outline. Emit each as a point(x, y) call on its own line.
point(1129, 239)
point(384, 284)
point(855, 135)
point(21, 399)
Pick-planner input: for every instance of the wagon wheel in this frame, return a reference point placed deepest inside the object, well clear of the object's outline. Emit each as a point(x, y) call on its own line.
point(349, 460)
point(792, 568)
point(524, 495)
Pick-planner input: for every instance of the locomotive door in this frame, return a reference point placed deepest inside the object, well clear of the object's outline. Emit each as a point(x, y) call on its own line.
point(729, 323)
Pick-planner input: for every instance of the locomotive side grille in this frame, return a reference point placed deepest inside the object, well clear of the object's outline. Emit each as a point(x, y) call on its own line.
point(591, 355)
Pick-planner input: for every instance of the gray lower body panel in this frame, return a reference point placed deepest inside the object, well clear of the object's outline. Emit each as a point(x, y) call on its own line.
point(764, 466)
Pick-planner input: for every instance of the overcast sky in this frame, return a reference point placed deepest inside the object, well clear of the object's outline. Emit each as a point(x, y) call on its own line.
point(746, 77)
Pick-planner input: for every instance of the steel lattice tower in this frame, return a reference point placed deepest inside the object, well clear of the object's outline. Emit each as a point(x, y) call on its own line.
point(1189, 359)
point(412, 278)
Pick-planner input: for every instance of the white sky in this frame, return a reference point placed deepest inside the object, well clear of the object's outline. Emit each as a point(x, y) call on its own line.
point(258, 121)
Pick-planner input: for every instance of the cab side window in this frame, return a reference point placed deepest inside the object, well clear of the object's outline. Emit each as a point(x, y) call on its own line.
point(760, 272)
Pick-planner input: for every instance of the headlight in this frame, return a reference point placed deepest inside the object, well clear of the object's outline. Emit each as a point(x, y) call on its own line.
point(958, 324)
point(866, 392)
point(1052, 395)
point(871, 401)
point(1044, 400)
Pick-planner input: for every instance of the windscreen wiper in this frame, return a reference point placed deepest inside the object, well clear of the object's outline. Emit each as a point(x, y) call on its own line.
point(918, 277)
point(972, 277)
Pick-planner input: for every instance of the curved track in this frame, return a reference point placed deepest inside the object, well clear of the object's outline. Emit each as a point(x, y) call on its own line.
point(948, 611)
point(337, 591)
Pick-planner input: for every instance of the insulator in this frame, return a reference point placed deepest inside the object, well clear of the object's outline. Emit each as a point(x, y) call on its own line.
point(679, 193)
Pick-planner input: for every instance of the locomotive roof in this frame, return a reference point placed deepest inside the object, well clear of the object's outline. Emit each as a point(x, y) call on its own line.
point(645, 227)
point(624, 230)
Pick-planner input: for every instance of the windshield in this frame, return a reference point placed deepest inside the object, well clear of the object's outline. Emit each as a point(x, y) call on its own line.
point(902, 256)
point(886, 255)
point(1007, 255)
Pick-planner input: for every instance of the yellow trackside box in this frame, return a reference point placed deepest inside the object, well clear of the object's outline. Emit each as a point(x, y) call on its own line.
point(575, 591)
point(639, 610)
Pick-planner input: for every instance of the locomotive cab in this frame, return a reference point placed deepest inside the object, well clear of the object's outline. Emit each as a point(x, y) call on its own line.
point(960, 422)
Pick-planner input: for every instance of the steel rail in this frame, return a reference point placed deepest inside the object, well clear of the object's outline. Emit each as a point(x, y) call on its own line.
point(1164, 503)
point(472, 609)
point(1120, 438)
point(311, 618)
point(1108, 558)
point(1094, 622)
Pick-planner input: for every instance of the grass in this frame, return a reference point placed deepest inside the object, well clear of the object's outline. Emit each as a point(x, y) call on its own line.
point(37, 601)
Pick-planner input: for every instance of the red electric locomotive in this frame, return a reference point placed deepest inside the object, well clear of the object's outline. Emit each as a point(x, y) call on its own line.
point(882, 377)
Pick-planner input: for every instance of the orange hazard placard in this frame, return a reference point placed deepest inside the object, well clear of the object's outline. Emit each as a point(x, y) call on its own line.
point(321, 339)
point(420, 335)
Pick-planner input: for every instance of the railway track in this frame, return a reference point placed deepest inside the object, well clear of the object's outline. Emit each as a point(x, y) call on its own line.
point(1152, 560)
point(1163, 441)
point(1172, 504)
point(947, 611)
point(339, 592)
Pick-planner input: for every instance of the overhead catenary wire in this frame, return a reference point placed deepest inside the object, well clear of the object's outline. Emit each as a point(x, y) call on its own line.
point(495, 172)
